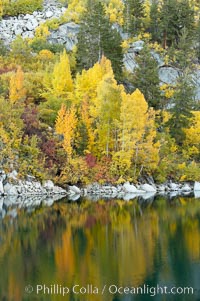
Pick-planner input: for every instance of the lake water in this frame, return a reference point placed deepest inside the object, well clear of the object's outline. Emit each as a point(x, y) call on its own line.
point(110, 250)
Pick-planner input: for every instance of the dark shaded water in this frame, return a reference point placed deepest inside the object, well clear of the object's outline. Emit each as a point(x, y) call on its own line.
point(93, 244)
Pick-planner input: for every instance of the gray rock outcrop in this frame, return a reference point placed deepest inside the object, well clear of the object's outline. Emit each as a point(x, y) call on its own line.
point(25, 24)
point(1, 188)
point(66, 35)
point(167, 74)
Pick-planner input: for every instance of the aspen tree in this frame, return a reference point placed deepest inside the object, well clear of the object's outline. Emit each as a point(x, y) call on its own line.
point(17, 91)
point(62, 82)
point(65, 125)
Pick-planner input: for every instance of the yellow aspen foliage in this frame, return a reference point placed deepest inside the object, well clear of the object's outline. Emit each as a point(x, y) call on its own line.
point(133, 117)
point(193, 133)
point(1, 8)
point(133, 114)
point(42, 31)
point(137, 135)
point(147, 151)
point(107, 112)
point(61, 80)
point(17, 91)
point(87, 120)
point(114, 10)
point(85, 94)
point(147, 5)
point(75, 10)
point(87, 82)
point(168, 90)
point(125, 45)
point(45, 55)
point(65, 125)
point(60, 120)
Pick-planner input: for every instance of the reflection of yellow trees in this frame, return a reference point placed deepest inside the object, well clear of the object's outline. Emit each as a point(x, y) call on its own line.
point(14, 288)
point(192, 238)
point(136, 247)
point(97, 243)
point(64, 256)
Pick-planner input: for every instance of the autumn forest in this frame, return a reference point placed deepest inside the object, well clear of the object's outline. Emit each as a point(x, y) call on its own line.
point(79, 116)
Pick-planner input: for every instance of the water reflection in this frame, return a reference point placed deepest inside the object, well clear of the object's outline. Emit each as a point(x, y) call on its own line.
point(135, 243)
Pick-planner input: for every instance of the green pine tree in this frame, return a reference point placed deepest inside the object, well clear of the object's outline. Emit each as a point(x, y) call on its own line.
point(146, 78)
point(185, 53)
point(134, 12)
point(197, 40)
point(181, 111)
point(174, 16)
point(97, 38)
point(155, 21)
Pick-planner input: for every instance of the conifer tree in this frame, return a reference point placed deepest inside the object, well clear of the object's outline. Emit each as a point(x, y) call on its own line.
point(97, 38)
point(174, 16)
point(197, 39)
point(134, 12)
point(146, 77)
point(181, 110)
point(155, 21)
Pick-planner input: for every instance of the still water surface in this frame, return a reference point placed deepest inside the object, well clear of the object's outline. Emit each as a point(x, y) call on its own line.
point(112, 242)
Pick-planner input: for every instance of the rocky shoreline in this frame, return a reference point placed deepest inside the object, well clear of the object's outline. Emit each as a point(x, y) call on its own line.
point(10, 185)
point(30, 193)
point(129, 191)
point(34, 197)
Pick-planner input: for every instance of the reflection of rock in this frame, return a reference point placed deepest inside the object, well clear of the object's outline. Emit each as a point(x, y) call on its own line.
point(186, 188)
point(12, 203)
point(10, 200)
point(48, 201)
point(186, 193)
point(10, 189)
point(148, 195)
point(173, 194)
point(74, 197)
point(197, 194)
point(74, 190)
point(129, 196)
point(174, 187)
point(197, 186)
point(148, 188)
point(12, 213)
point(1, 204)
point(162, 188)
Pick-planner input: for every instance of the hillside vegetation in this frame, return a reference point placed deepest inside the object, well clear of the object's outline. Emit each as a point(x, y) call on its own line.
point(80, 116)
